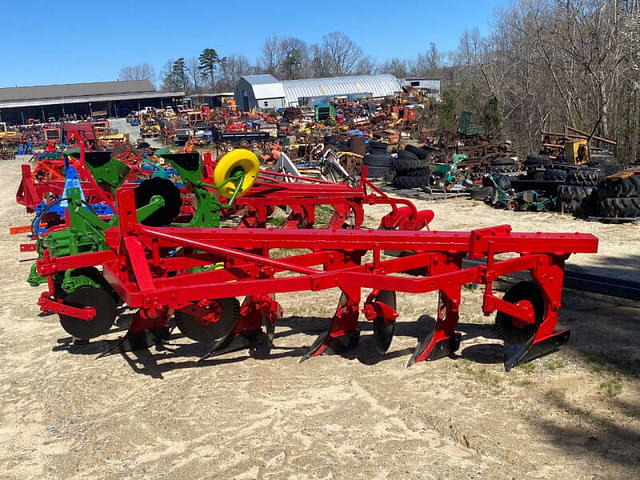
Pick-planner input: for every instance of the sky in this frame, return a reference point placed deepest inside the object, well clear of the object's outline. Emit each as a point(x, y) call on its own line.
point(68, 41)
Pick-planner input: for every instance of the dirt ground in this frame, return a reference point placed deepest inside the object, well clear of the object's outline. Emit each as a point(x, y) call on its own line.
point(159, 414)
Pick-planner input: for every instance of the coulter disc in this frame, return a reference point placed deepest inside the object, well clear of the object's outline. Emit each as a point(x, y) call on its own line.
point(210, 322)
point(383, 330)
point(512, 330)
point(168, 191)
point(104, 305)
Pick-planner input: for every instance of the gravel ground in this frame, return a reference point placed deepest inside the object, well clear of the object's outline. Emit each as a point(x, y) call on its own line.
point(159, 414)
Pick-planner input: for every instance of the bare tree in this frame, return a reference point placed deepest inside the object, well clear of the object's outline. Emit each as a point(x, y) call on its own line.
point(341, 53)
point(319, 62)
point(285, 57)
point(192, 66)
point(395, 66)
point(143, 71)
point(366, 66)
point(231, 69)
point(170, 83)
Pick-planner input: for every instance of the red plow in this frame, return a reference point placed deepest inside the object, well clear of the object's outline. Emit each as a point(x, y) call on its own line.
point(195, 275)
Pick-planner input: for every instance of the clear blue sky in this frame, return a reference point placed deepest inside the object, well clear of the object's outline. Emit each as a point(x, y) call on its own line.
point(45, 42)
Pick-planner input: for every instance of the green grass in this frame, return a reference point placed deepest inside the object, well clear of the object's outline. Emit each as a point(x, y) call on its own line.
point(525, 383)
point(554, 364)
point(484, 377)
point(323, 215)
point(611, 387)
point(528, 367)
point(276, 221)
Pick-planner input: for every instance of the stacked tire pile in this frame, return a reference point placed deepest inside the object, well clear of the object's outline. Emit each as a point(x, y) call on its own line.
point(618, 197)
point(411, 168)
point(377, 160)
point(536, 165)
point(338, 143)
point(575, 194)
point(504, 166)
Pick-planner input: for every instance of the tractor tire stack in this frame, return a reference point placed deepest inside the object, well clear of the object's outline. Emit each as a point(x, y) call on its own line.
point(536, 161)
point(410, 170)
point(618, 197)
point(555, 175)
point(503, 166)
point(574, 195)
point(378, 165)
point(337, 143)
point(377, 147)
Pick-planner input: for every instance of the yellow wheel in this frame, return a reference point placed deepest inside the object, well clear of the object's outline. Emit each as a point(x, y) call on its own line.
point(229, 164)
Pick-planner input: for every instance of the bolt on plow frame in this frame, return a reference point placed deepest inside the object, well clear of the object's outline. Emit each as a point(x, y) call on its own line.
point(195, 276)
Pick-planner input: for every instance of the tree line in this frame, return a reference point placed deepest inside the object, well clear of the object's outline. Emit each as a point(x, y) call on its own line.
point(544, 64)
point(287, 58)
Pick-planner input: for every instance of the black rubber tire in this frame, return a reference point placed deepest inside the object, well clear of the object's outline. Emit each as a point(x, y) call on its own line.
point(534, 160)
point(407, 155)
point(500, 169)
point(405, 162)
point(585, 176)
point(500, 162)
point(537, 176)
point(378, 145)
point(482, 193)
point(413, 172)
point(571, 206)
point(410, 182)
point(618, 188)
point(502, 181)
point(417, 151)
point(376, 160)
point(573, 192)
point(377, 172)
point(619, 207)
point(555, 175)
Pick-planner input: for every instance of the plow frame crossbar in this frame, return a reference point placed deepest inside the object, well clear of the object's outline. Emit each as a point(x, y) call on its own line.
point(137, 269)
point(304, 195)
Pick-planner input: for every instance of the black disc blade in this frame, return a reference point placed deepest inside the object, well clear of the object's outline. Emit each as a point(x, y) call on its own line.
point(168, 191)
point(508, 328)
point(104, 305)
point(382, 329)
point(189, 322)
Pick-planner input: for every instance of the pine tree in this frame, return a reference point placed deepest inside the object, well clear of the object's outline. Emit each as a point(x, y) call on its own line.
point(209, 61)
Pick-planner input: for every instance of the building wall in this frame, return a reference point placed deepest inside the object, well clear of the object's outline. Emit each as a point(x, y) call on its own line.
point(355, 86)
point(247, 99)
point(116, 108)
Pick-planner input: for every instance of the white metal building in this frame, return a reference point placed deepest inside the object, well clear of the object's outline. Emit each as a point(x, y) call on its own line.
point(266, 92)
point(430, 86)
point(259, 91)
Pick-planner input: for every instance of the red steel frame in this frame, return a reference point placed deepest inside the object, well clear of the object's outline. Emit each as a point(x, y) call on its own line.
point(270, 191)
point(137, 267)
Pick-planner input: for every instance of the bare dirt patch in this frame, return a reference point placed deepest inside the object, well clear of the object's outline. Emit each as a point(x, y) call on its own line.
point(159, 414)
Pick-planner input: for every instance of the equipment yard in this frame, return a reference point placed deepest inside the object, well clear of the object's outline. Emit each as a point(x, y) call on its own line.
point(159, 413)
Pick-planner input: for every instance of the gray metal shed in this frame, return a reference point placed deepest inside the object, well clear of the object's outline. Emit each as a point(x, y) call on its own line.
point(259, 91)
